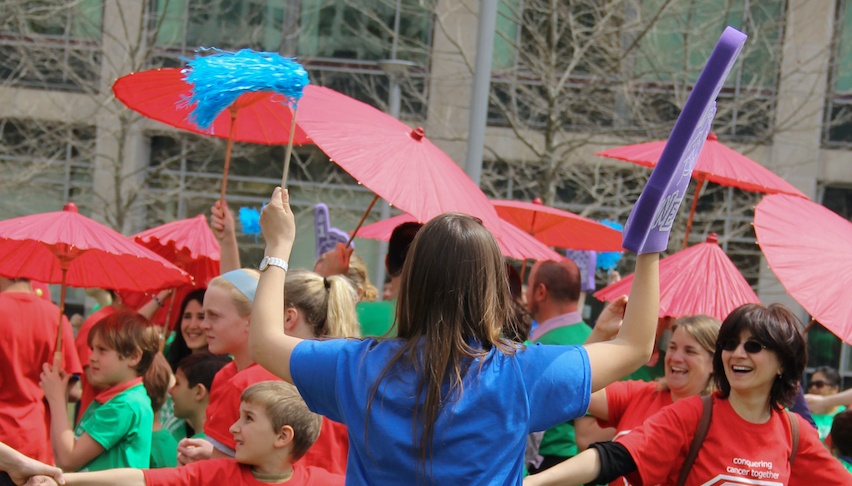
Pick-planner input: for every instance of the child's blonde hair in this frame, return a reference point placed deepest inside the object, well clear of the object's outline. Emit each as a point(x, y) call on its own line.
point(239, 296)
point(127, 331)
point(359, 277)
point(328, 304)
point(284, 406)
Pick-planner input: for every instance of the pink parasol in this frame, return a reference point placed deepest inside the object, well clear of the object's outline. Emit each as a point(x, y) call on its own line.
point(698, 280)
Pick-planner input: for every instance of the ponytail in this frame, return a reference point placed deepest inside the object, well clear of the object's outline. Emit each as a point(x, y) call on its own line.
point(327, 304)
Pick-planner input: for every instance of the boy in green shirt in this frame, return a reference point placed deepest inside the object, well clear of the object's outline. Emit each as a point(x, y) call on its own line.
point(191, 391)
point(115, 430)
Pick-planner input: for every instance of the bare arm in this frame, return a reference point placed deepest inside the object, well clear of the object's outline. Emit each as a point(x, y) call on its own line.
point(222, 224)
point(580, 469)
point(634, 343)
point(21, 467)
point(109, 477)
point(152, 306)
point(70, 453)
point(268, 345)
point(822, 404)
point(587, 431)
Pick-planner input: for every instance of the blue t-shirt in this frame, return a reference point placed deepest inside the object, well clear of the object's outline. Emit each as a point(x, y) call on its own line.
point(480, 439)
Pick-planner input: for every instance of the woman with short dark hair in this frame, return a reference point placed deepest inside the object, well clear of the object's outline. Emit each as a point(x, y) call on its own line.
point(759, 359)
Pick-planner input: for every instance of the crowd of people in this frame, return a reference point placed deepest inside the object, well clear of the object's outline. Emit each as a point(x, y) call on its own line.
point(458, 376)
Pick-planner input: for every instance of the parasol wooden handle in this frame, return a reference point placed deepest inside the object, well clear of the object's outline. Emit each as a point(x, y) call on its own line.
point(289, 151)
point(230, 146)
point(363, 217)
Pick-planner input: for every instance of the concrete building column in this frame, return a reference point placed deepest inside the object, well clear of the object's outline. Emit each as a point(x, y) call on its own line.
point(795, 152)
point(451, 75)
point(121, 148)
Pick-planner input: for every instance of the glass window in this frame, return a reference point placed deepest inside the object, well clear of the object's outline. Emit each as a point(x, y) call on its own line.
point(364, 30)
point(225, 24)
point(624, 65)
point(45, 164)
point(838, 115)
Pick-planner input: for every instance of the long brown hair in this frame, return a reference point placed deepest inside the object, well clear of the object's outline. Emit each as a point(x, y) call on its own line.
point(453, 303)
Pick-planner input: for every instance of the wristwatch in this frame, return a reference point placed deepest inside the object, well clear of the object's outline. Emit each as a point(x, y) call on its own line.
point(275, 262)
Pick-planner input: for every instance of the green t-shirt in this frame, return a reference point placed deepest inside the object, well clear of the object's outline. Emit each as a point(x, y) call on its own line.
point(122, 426)
point(559, 440)
point(377, 318)
point(163, 449)
point(176, 426)
point(823, 422)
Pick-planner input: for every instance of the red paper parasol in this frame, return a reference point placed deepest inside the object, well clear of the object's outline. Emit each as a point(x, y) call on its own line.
point(808, 248)
point(513, 243)
point(191, 246)
point(698, 280)
point(716, 163)
point(399, 164)
point(261, 117)
point(555, 227)
point(68, 248)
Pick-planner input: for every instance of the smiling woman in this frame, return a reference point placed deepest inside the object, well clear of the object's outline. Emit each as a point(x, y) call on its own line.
point(757, 364)
point(626, 405)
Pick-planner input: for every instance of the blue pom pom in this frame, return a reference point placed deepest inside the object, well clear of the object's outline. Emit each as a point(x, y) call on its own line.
point(250, 221)
point(219, 79)
point(607, 261)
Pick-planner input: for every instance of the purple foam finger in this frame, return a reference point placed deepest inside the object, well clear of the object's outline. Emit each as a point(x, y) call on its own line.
point(327, 237)
point(650, 222)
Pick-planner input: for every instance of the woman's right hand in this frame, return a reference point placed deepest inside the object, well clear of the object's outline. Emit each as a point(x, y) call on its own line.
point(278, 224)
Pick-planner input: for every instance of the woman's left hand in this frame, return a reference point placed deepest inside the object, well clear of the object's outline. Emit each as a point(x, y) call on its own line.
point(278, 224)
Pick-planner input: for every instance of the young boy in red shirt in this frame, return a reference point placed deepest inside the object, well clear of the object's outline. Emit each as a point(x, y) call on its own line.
point(275, 429)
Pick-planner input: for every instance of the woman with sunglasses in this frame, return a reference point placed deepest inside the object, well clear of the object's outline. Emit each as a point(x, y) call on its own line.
point(759, 359)
point(825, 381)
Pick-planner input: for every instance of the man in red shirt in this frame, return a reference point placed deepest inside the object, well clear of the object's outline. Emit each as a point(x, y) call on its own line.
point(28, 327)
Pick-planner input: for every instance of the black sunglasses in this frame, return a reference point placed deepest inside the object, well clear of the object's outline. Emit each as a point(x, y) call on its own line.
point(750, 346)
point(818, 384)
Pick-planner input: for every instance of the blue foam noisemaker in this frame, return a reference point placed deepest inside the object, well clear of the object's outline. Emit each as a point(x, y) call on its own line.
point(219, 79)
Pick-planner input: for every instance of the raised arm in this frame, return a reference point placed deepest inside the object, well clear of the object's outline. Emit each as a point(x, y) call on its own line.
point(222, 224)
point(268, 345)
point(634, 343)
point(71, 454)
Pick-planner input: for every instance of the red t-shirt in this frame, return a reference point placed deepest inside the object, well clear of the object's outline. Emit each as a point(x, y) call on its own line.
point(230, 472)
point(629, 405)
point(84, 352)
point(224, 407)
point(734, 452)
point(28, 326)
point(331, 449)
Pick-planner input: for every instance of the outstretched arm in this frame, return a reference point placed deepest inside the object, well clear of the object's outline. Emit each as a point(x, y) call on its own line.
point(580, 469)
point(822, 404)
point(108, 477)
point(634, 343)
point(20, 467)
point(268, 345)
